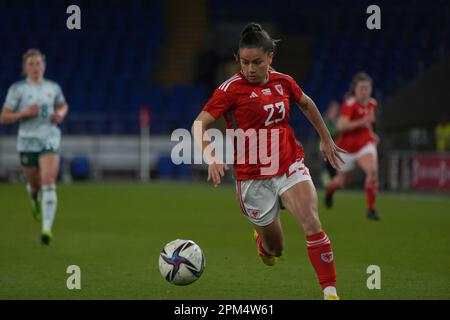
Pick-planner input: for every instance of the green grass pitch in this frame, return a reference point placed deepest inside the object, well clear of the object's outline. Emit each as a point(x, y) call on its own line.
point(114, 233)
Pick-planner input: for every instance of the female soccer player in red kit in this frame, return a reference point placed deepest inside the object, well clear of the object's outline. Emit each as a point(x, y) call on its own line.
point(358, 139)
point(256, 99)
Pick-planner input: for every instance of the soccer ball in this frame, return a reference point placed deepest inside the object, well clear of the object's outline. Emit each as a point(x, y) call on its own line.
point(181, 262)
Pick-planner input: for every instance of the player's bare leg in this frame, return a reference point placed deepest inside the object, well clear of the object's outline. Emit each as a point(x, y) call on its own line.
point(338, 182)
point(369, 164)
point(49, 166)
point(33, 187)
point(269, 241)
point(301, 201)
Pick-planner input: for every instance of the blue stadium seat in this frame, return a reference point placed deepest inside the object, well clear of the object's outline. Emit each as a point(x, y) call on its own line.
point(77, 60)
point(99, 72)
point(80, 168)
point(166, 168)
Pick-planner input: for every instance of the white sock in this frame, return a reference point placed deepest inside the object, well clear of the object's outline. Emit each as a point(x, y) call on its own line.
point(32, 193)
point(48, 204)
point(330, 291)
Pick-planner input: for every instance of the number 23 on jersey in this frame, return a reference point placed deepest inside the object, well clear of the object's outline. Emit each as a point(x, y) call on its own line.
point(276, 113)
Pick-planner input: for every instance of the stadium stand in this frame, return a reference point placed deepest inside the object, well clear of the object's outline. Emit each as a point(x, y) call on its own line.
point(106, 68)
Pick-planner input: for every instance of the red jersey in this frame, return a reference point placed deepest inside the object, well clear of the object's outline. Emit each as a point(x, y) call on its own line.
point(250, 106)
point(352, 141)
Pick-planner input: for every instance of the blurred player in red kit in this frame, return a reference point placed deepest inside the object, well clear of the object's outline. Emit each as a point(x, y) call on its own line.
point(356, 136)
point(256, 101)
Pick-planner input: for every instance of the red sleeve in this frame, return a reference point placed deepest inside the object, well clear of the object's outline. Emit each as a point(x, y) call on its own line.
point(218, 104)
point(346, 110)
point(296, 91)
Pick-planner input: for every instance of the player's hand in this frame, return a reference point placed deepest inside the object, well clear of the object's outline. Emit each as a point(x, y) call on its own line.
point(57, 118)
point(368, 119)
point(31, 111)
point(215, 172)
point(330, 152)
point(376, 137)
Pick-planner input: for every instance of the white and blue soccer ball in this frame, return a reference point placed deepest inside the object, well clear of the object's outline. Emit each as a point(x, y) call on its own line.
point(181, 262)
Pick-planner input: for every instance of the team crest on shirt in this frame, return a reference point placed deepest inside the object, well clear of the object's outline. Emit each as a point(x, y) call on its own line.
point(266, 92)
point(50, 95)
point(327, 257)
point(279, 89)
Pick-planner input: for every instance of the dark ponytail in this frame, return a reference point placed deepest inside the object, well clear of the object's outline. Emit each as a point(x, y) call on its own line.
point(254, 36)
point(251, 27)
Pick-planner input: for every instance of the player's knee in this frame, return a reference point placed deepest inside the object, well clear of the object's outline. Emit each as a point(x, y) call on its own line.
point(312, 224)
point(342, 182)
point(371, 177)
point(376, 183)
point(337, 182)
point(372, 173)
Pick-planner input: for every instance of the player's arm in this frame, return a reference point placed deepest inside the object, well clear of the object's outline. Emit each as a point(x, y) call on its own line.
point(373, 124)
point(8, 116)
point(345, 124)
point(216, 168)
point(60, 113)
point(201, 124)
point(327, 146)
